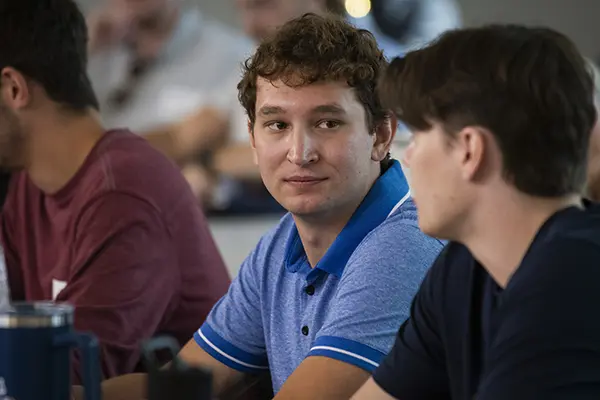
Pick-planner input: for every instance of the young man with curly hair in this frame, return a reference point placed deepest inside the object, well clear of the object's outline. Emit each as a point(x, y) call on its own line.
point(318, 301)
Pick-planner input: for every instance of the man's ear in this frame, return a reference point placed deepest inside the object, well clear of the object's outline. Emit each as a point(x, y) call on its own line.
point(384, 135)
point(473, 145)
point(14, 89)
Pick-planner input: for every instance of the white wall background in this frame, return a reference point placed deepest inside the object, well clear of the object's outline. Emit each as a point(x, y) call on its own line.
point(577, 18)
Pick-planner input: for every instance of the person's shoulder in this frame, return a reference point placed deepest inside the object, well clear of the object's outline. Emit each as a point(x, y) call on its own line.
point(396, 246)
point(128, 162)
point(125, 146)
point(569, 235)
point(401, 232)
point(583, 225)
point(566, 253)
point(125, 166)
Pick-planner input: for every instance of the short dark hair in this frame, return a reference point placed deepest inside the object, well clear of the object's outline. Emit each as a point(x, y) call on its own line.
point(315, 48)
point(46, 40)
point(529, 86)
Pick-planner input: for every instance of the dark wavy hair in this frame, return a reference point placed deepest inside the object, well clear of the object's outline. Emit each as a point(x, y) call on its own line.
point(316, 48)
point(46, 40)
point(530, 87)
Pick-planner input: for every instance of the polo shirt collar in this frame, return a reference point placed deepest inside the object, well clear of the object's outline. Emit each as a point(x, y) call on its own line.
point(388, 192)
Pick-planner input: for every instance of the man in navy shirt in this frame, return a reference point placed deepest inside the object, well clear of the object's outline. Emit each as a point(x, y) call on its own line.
point(501, 117)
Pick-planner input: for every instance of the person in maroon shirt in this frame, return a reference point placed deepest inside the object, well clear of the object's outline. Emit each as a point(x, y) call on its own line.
point(97, 219)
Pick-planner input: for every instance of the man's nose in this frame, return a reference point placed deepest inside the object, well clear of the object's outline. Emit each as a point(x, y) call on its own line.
point(303, 149)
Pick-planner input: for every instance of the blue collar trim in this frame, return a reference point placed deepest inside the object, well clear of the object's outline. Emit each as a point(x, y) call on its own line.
point(389, 192)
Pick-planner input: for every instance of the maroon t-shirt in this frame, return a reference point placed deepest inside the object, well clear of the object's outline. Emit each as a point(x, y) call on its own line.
point(124, 241)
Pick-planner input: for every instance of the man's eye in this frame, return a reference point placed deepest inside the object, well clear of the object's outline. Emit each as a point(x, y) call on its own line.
point(276, 126)
point(328, 124)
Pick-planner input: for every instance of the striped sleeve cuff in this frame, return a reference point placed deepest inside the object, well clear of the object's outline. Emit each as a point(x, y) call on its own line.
point(348, 351)
point(227, 353)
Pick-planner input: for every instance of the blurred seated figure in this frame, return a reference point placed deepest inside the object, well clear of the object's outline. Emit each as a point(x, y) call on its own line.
point(403, 25)
point(153, 62)
point(98, 219)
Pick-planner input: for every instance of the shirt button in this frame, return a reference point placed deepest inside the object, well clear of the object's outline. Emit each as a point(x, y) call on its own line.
point(310, 290)
point(305, 330)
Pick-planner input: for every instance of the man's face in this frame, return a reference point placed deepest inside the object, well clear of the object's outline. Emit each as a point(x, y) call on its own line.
point(313, 147)
point(437, 187)
point(261, 17)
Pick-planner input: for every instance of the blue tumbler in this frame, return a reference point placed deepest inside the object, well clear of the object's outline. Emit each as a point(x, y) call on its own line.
point(36, 340)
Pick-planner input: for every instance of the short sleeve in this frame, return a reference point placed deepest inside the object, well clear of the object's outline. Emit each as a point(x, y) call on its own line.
point(547, 342)
point(415, 368)
point(233, 332)
point(374, 296)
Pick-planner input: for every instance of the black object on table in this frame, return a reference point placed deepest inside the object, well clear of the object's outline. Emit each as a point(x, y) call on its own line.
point(177, 381)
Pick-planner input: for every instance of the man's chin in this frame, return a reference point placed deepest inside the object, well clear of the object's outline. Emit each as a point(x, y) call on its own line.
point(304, 209)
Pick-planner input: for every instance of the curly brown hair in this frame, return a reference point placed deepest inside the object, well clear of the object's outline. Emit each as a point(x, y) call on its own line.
point(315, 48)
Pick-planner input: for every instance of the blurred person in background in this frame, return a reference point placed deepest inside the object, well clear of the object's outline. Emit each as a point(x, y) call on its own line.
point(155, 62)
point(404, 25)
point(318, 301)
point(99, 219)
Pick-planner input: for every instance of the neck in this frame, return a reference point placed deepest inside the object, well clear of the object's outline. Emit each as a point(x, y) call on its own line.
point(58, 146)
point(319, 231)
point(317, 238)
point(506, 227)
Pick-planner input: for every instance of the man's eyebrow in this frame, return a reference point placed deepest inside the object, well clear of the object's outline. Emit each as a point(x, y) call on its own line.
point(332, 108)
point(270, 110)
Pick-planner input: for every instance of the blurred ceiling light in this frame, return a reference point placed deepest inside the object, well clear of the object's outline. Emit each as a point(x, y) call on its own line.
point(358, 8)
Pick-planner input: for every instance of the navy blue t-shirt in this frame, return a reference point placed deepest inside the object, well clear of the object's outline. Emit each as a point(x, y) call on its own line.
point(539, 338)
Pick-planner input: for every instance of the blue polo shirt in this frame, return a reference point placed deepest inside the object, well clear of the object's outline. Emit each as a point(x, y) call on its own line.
point(279, 310)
